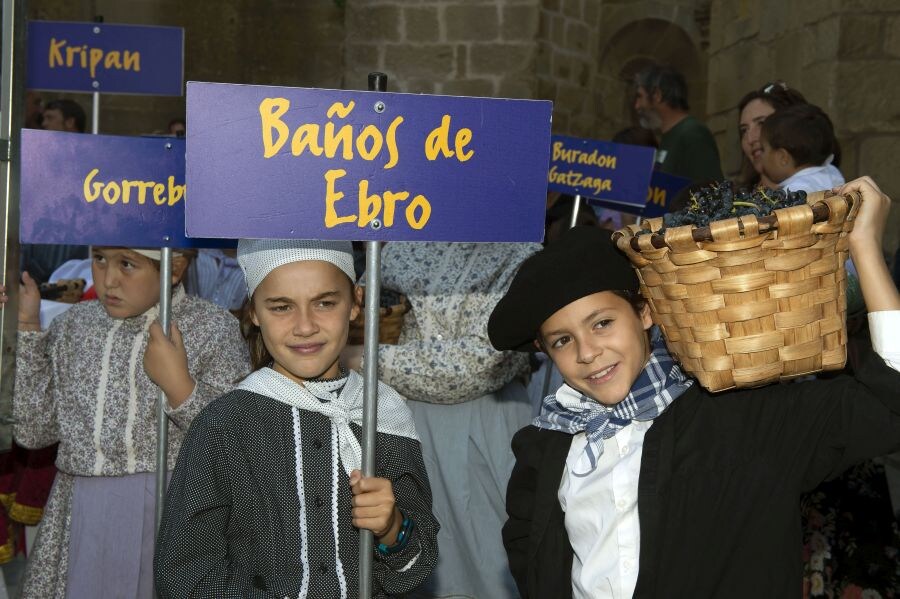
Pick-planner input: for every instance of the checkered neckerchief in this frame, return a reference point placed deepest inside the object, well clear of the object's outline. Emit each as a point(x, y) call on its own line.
point(658, 384)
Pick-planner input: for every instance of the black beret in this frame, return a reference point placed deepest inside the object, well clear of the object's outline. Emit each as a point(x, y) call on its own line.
point(582, 262)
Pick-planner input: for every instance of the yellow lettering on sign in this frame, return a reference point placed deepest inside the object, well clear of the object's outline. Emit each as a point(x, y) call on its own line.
point(61, 54)
point(114, 192)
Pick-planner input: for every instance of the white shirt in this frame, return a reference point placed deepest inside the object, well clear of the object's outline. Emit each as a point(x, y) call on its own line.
point(602, 515)
point(601, 508)
point(814, 178)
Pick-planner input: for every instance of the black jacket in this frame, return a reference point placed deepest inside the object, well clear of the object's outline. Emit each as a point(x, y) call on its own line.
point(720, 484)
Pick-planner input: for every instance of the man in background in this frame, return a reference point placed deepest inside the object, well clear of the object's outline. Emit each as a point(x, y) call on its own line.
point(687, 148)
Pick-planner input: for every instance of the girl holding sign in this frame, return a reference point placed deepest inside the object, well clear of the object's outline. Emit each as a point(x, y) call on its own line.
point(634, 481)
point(81, 383)
point(267, 498)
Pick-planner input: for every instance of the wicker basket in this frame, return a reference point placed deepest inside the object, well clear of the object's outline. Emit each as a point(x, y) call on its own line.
point(390, 323)
point(747, 301)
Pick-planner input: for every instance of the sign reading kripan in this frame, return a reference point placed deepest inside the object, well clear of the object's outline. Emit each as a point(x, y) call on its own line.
point(103, 190)
point(601, 170)
point(300, 163)
point(99, 57)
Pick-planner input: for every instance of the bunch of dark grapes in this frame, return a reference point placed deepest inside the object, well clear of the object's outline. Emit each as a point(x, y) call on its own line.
point(721, 201)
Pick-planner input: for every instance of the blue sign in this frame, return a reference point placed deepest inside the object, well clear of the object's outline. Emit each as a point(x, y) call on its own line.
point(663, 189)
point(282, 162)
point(103, 190)
point(98, 57)
point(617, 174)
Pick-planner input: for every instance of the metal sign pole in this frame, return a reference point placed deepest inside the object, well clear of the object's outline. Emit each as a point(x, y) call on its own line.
point(95, 105)
point(548, 374)
point(377, 82)
point(162, 420)
point(95, 113)
point(576, 206)
point(12, 71)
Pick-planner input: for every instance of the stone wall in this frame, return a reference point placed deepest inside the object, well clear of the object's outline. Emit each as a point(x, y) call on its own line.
point(581, 54)
point(277, 42)
point(843, 55)
point(457, 47)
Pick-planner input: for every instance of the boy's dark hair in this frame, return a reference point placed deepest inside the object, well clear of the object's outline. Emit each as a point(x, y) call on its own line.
point(637, 301)
point(70, 109)
point(668, 81)
point(803, 130)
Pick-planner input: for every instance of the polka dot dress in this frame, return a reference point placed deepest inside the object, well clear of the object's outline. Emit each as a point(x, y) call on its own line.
point(234, 524)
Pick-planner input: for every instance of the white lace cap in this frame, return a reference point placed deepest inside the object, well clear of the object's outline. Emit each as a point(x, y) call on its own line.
point(259, 257)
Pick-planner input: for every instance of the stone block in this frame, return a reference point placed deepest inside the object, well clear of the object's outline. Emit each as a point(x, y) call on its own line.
point(519, 22)
point(545, 26)
point(573, 8)
point(860, 36)
point(469, 87)
point(892, 37)
point(373, 23)
point(857, 6)
point(558, 31)
point(421, 86)
point(465, 22)
point(500, 59)
point(592, 10)
point(774, 21)
point(749, 58)
point(544, 62)
point(421, 24)
point(517, 87)
point(878, 159)
point(546, 89)
point(866, 96)
point(741, 28)
point(364, 56)
point(826, 35)
point(461, 59)
point(412, 60)
point(577, 36)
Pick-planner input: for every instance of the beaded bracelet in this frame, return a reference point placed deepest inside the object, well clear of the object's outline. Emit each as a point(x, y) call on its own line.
point(402, 538)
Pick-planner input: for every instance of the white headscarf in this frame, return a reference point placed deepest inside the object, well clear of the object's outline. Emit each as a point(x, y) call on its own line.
point(259, 257)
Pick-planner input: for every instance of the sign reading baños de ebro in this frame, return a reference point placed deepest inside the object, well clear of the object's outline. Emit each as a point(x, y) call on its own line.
point(301, 163)
point(105, 58)
point(103, 190)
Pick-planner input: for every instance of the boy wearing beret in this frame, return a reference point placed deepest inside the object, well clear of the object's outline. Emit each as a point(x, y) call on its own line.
point(635, 481)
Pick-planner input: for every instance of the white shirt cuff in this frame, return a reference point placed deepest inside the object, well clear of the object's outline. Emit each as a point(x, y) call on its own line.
point(884, 328)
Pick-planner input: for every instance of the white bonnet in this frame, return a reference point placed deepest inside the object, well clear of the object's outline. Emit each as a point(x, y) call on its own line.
point(259, 257)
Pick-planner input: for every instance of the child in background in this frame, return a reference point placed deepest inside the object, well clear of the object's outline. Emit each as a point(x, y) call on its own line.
point(797, 149)
point(81, 383)
point(635, 482)
point(267, 498)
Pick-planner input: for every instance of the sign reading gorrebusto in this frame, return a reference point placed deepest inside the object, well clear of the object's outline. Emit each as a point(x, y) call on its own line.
point(103, 190)
point(300, 163)
point(601, 170)
point(105, 58)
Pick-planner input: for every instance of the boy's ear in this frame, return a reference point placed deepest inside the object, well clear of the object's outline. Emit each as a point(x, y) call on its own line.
point(539, 345)
point(646, 317)
point(784, 157)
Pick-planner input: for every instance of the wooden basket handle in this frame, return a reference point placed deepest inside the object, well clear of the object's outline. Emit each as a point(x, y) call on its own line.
point(820, 211)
